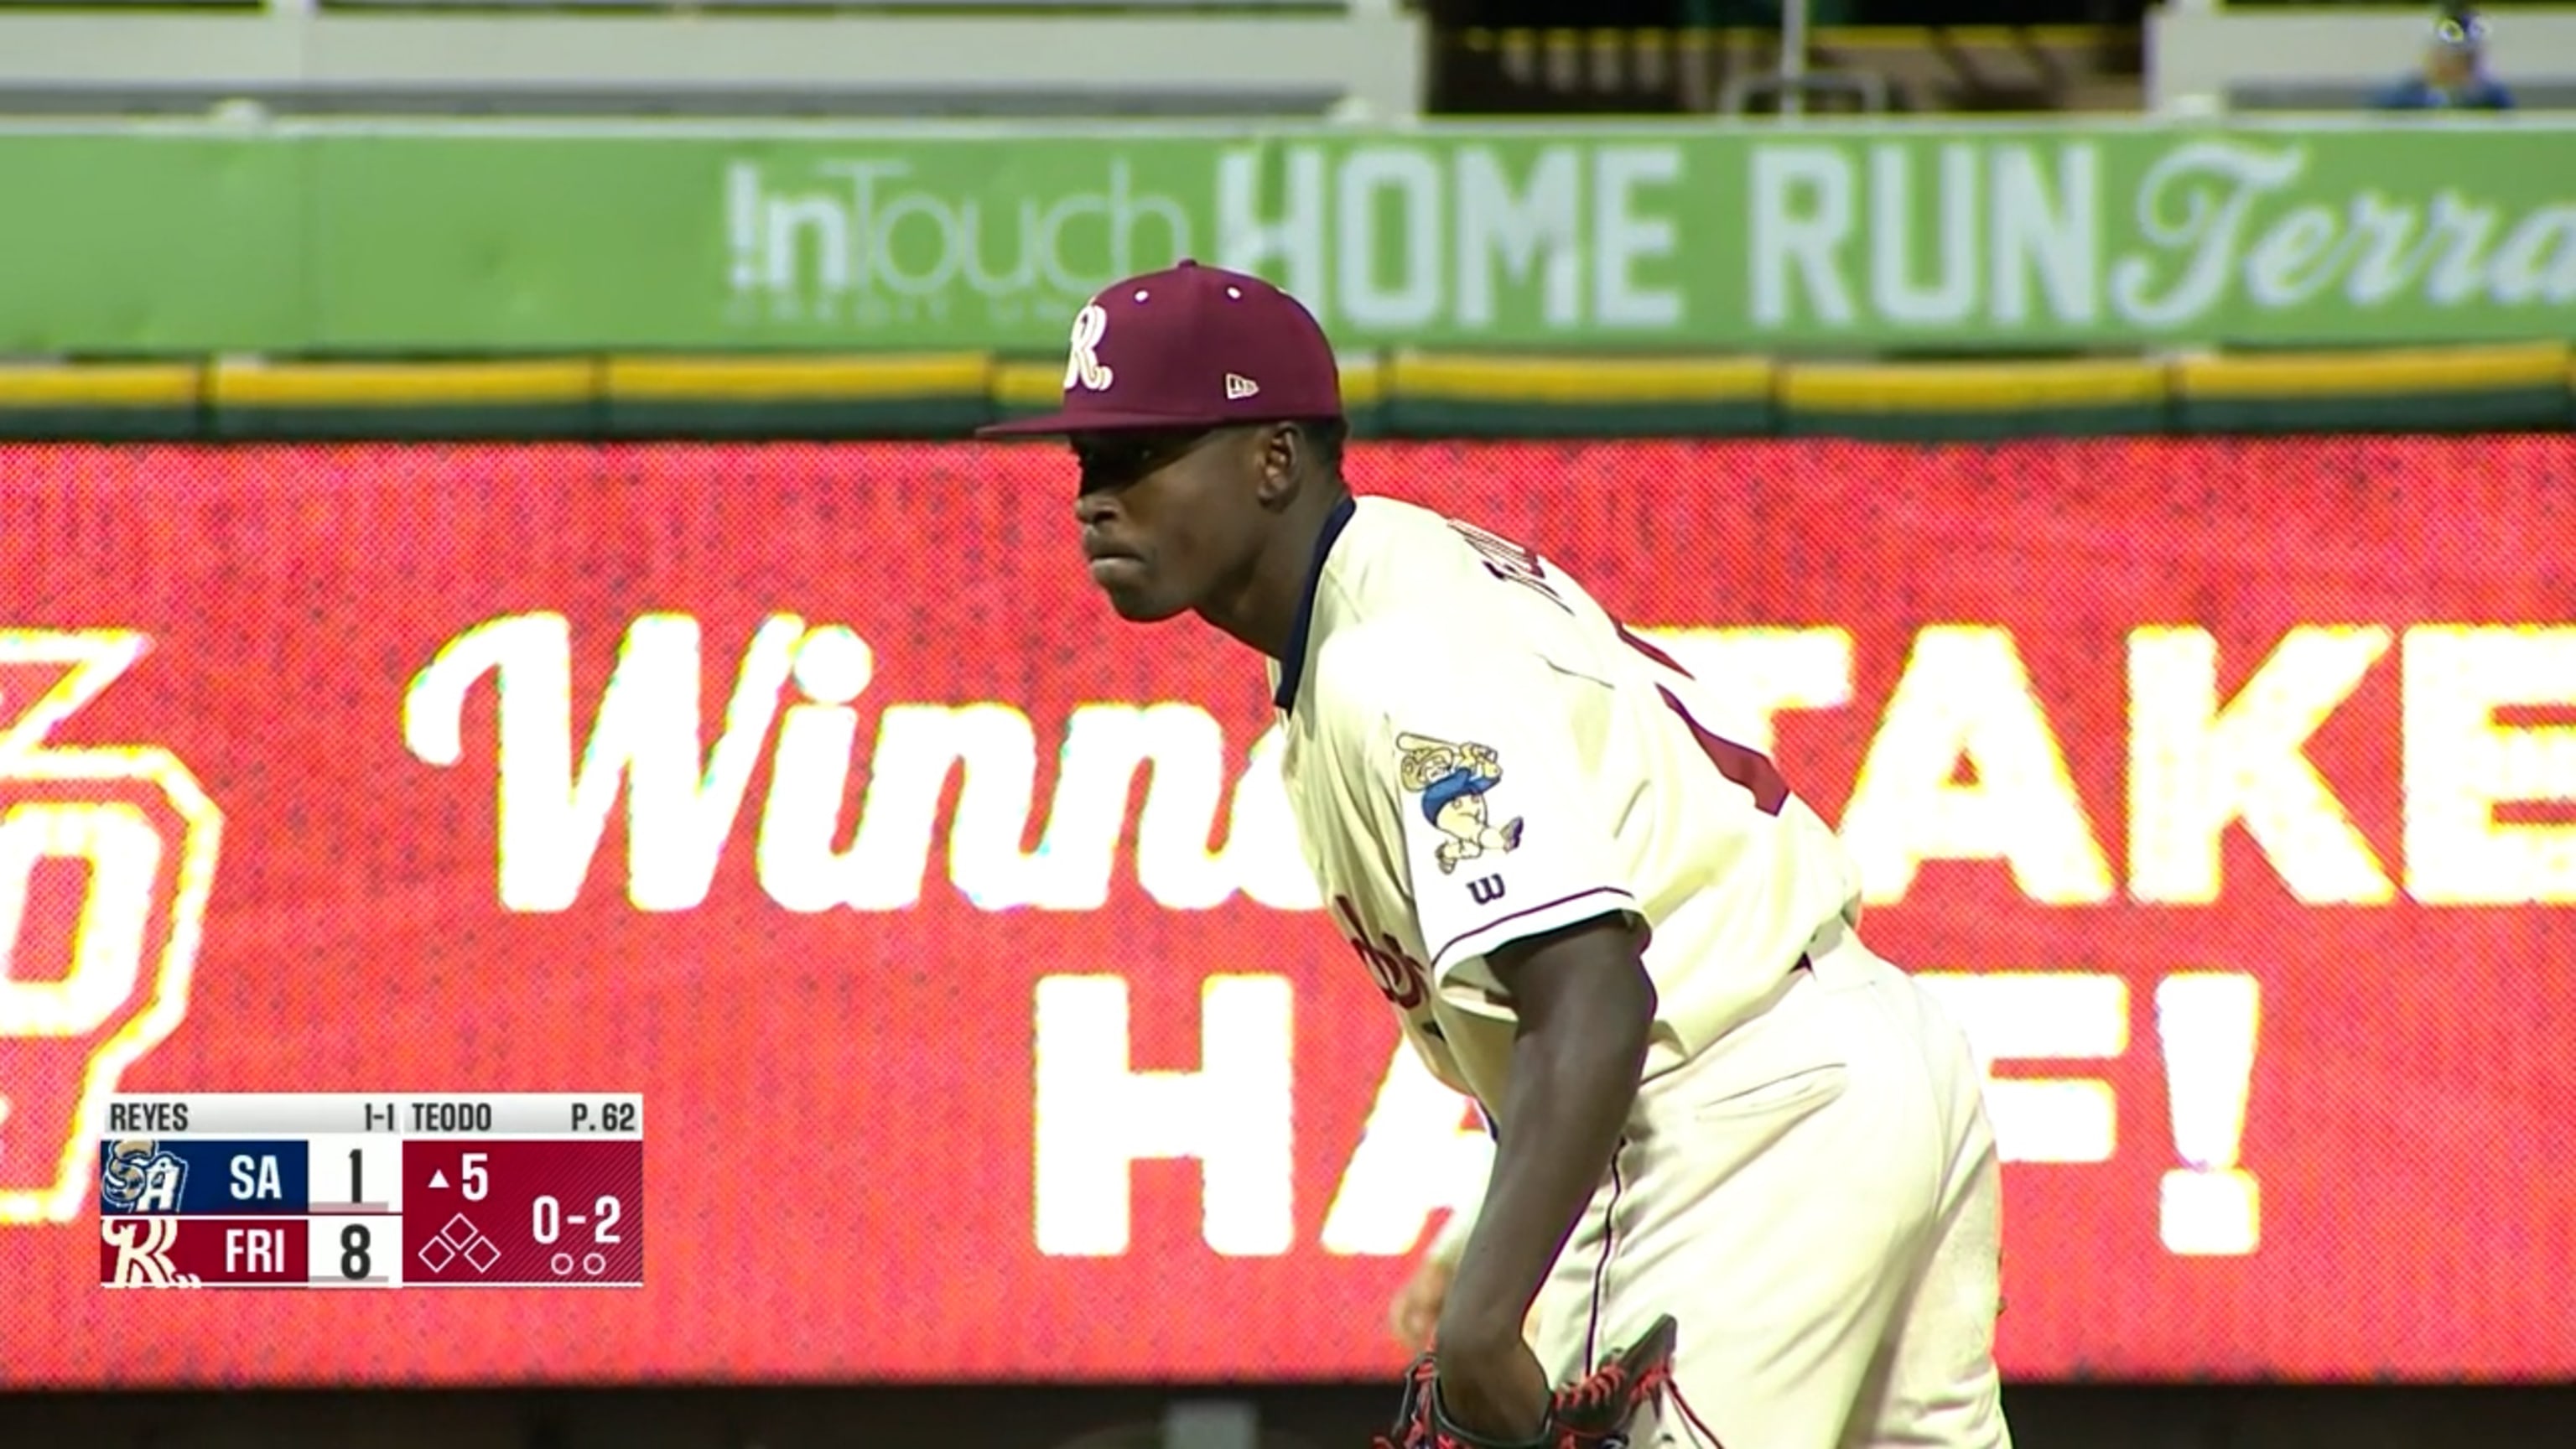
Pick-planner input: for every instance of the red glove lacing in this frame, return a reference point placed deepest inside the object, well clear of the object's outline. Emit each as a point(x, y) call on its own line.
point(1605, 1385)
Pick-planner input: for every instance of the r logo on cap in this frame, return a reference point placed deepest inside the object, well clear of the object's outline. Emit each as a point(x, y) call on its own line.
point(1082, 365)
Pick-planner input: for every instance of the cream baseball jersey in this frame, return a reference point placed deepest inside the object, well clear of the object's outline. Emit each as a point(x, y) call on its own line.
point(1476, 753)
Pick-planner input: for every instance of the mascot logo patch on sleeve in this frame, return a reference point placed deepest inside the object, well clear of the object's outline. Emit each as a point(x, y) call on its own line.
point(1452, 780)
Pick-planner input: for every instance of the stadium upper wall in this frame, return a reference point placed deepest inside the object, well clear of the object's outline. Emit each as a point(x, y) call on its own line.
point(1004, 57)
point(905, 61)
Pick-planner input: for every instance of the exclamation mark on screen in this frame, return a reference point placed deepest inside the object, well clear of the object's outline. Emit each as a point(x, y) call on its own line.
point(2208, 1021)
point(742, 223)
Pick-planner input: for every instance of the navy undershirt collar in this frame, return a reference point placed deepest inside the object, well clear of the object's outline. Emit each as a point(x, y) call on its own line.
point(1292, 664)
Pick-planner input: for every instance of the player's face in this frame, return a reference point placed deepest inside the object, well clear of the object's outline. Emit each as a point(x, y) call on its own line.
point(1168, 519)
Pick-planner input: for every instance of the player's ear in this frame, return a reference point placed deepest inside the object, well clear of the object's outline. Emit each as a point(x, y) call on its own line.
point(1279, 447)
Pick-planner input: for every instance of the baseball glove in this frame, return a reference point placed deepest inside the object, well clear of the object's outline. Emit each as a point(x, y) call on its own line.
point(1594, 1413)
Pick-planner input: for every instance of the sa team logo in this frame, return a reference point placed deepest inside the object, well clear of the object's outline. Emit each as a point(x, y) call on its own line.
point(140, 1176)
point(107, 855)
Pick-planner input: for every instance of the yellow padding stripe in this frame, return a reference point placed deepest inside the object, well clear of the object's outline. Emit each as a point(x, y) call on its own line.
point(1582, 381)
point(685, 379)
point(117, 386)
point(399, 384)
point(1973, 386)
point(1029, 386)
point(1039, 386)
point(1364, 381)
point(2412, 370)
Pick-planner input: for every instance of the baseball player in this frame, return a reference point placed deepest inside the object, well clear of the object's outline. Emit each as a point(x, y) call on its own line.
point(1623, 935)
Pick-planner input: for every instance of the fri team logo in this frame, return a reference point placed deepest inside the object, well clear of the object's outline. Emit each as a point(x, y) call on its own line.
point(143, 1253)
point(107, 857)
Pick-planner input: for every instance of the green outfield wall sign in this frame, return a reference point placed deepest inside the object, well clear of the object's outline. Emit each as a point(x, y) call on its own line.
point(1828, 238)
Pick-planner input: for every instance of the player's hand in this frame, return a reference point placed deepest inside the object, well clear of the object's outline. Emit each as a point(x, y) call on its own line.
point(1494, 1390)
point(1416, 1309)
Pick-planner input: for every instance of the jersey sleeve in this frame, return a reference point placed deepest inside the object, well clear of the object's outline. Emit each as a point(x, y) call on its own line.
point(1502, 834)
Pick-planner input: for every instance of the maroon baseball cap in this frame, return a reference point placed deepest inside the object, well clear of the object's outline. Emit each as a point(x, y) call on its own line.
point(1192, 347)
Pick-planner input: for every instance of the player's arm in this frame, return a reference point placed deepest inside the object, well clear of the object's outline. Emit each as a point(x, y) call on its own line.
point(1526, 917)
point(1584, 1008)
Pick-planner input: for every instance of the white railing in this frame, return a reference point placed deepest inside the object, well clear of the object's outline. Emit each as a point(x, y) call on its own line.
point(845, 5)
point(1364, 57)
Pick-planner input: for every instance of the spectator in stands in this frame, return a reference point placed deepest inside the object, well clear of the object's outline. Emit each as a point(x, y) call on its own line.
point(2454, 76)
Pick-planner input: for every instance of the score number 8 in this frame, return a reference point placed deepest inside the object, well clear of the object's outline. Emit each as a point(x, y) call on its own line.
point(545, 1219)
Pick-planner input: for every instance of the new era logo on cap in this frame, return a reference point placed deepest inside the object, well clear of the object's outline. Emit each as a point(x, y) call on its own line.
point(1180, 349)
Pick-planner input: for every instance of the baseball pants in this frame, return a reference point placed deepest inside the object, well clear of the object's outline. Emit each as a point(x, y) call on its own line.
point(1815, 1199)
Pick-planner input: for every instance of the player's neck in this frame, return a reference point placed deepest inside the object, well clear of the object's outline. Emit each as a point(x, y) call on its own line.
point(1261, 611)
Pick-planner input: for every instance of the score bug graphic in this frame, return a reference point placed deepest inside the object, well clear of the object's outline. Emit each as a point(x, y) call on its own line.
point(304, 1190)
point(499, 1212)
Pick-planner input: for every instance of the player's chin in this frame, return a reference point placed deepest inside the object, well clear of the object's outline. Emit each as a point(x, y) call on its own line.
point(1144, 609)
point(1132, 593)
